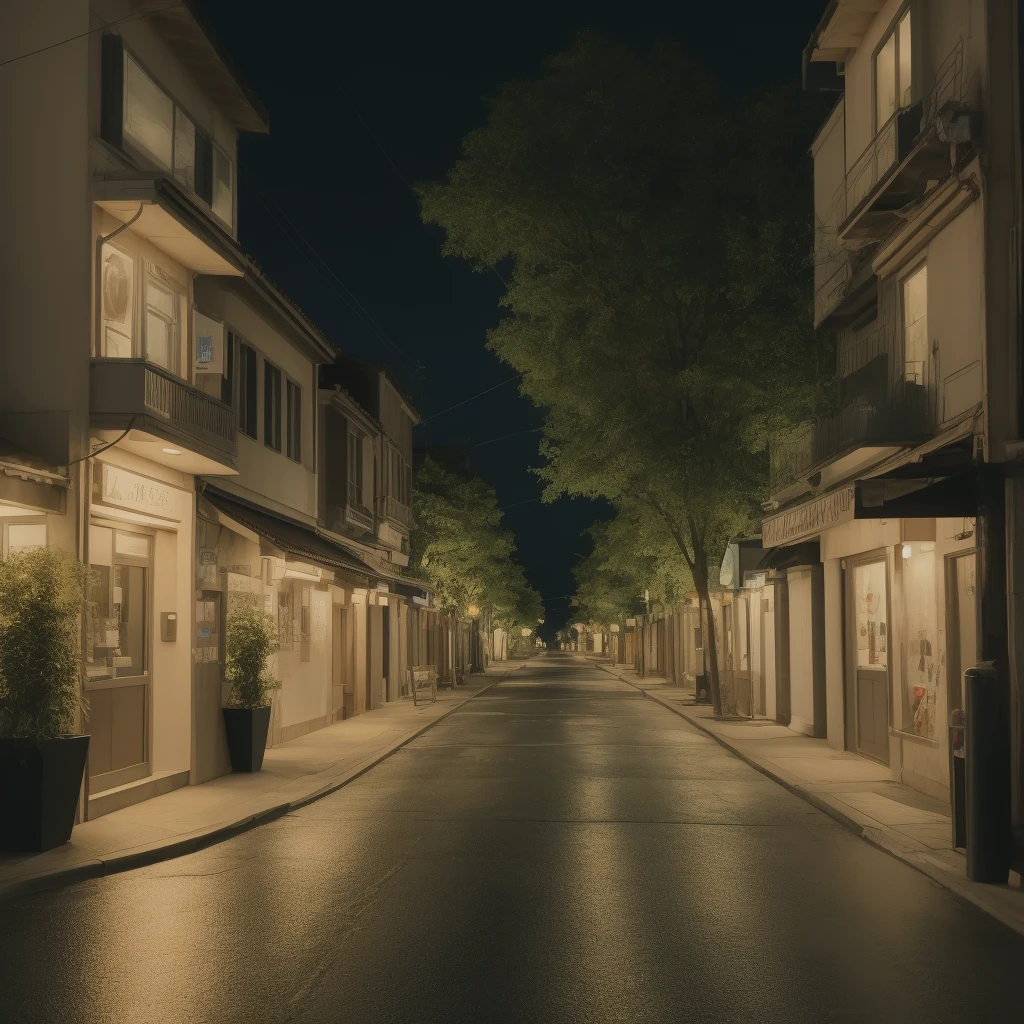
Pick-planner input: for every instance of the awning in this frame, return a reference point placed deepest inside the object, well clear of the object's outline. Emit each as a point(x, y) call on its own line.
point(172, 222)
point(293, 537)
point(29, 482)
point(806, 553)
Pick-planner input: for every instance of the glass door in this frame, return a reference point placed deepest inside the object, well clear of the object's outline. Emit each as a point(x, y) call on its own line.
point(117, 657)
point(868, 696)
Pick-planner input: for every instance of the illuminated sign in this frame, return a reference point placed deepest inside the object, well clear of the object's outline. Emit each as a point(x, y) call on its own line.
point(808, 519)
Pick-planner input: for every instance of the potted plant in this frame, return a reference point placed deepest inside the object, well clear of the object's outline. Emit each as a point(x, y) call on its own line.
point(250, 639)
point(41, 671)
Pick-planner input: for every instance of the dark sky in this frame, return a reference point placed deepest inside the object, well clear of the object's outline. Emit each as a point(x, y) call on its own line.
point(332, 220)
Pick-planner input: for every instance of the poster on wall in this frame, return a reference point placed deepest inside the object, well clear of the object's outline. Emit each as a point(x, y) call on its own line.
point(208, 344)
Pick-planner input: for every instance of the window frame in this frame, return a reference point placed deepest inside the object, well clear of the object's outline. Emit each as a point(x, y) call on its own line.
point(903, 280)
point(893, 33)
point(355, 465)
point(7, 523)
point(272, 411)
point(153, 273)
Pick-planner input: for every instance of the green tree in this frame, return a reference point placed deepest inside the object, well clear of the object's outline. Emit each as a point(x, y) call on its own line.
point(459, 546)
point(250, 639)
point(655, 235)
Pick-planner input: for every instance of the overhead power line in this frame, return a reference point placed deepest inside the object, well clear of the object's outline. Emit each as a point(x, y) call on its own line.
point(471, 398)
point(134, 16)
point(516, 433)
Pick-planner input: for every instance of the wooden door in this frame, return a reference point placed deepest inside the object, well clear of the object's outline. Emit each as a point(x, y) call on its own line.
point(868, 671)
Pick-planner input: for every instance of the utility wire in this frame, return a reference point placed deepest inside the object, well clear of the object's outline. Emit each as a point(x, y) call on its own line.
point(337, 285)
point(516, 504)
point(134, 16)
point(516, 433)
point(471, 398)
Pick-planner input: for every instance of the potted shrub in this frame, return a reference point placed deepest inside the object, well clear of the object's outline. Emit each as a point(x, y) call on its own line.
point(41, 671)
point(250, 638)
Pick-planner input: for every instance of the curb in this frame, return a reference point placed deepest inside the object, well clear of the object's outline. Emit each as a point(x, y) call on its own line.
point(912, 858)
point(116, 863)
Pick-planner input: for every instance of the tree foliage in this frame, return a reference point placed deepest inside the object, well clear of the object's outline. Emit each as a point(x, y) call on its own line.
point(655, 232)
point(459, 546)
point(41, 669)
point(250, 639)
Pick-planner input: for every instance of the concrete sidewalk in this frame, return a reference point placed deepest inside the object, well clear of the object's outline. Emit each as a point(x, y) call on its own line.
point(856, 792)
point(188, 819)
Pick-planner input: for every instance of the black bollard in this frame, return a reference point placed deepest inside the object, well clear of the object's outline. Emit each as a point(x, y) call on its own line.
point(987, 743)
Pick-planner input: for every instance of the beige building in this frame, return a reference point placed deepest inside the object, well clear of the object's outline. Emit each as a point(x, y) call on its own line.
point(159, 397)
point(887, 519)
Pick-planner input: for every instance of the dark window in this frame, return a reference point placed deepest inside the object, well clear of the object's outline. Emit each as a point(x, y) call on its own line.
point(204, 167)
point(247, 388)
point(271, 406)
point(227, 384)
point(355, 470)
point(294, 447)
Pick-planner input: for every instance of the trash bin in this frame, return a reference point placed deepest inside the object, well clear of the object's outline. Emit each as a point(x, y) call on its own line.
point(957, 779)
point(987, 748)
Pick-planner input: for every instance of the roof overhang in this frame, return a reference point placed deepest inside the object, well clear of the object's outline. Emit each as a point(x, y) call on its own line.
point(184, 29)
point(841, 29)
point(29, 483)
point(172, 222)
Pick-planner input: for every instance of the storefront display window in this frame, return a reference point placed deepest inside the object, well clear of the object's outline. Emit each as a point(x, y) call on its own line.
point(117, 606)
point(871, 611)
point(921, 670)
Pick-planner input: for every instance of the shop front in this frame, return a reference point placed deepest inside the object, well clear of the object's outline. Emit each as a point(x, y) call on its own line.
point(137, 630)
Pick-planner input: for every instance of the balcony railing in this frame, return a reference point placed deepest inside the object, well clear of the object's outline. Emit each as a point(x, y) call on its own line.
point(124, 391)
point(869, 176)
point(391, 508)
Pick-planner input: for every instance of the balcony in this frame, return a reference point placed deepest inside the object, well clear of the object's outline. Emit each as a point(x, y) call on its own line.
point(909, 150)
point(394, 511)
point(155, 405)
point(875, 411)
point(356, 513)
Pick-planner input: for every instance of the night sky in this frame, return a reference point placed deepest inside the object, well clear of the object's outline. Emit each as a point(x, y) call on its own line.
point(365, 99)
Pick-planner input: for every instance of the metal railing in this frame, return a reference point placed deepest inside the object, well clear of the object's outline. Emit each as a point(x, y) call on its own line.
point(389, 507)
point(858, 351)
point(136, 388)
point(897, 136)
point(831, 292)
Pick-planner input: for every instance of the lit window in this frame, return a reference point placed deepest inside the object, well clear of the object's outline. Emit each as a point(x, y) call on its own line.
point(163, 321)
point(25, 537)
point(915, 325)
point(118, 304)
point(117, 625)
point(271, 406)
point(148, 114)
point(893, 73)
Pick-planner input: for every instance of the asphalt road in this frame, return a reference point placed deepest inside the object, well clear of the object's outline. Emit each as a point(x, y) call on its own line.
point(559, 850)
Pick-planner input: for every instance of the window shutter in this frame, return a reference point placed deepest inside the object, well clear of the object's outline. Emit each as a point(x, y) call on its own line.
point(112, 90)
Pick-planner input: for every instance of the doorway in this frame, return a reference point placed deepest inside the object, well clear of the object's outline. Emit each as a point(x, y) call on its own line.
point(867, 677)
point(962, 629)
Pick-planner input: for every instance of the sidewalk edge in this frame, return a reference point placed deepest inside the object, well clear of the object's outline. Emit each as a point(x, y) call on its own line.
point(876, 837)
point(118, 862)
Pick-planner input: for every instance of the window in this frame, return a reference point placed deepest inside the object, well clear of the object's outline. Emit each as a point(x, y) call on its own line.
point(24, 537)
point(355, 470)
point(397, 476)
point(915, 326)
point(118, 270)
point(247, 387)
point(117, 616)
point(163, 320)
point(221, 202)
point(871, 612)
point(920, 624)
point(893, 73)
point(227, 384)
point(271, 406)
point(294, 440)
point(148, 114)
point(185, 150)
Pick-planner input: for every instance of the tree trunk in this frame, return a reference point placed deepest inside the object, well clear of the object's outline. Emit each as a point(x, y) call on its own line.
point(720, 699)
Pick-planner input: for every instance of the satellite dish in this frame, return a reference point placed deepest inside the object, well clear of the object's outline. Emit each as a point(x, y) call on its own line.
point(116, 288)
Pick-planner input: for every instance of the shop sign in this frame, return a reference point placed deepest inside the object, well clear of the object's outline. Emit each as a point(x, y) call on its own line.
point(808, 519)
point(141, 494)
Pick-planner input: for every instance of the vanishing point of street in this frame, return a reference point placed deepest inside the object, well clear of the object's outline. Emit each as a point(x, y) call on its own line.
point(560, 849)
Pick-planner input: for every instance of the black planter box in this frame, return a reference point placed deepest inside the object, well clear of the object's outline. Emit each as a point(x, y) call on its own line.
point(39, 785)
point(246, 730)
